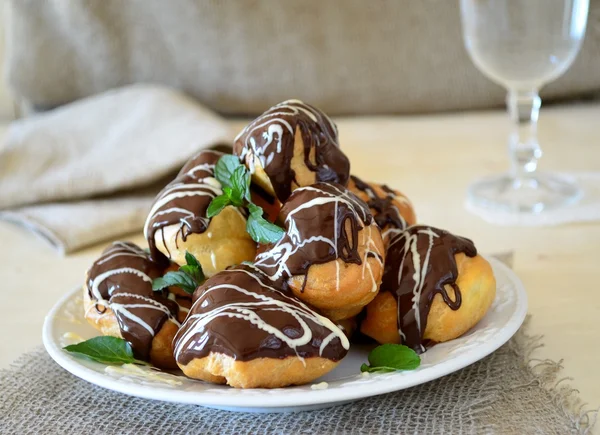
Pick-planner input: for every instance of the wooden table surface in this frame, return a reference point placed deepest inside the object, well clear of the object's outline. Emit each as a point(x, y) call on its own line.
point(432, 159)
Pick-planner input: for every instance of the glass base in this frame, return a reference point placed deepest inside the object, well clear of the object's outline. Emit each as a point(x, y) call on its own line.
point(528, 195)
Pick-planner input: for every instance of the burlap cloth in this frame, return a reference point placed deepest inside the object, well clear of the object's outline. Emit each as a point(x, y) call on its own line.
point(505, 393)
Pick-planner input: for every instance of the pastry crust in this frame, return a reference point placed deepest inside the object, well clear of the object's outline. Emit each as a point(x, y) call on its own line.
point(161, 352)
point(477, 285)
point(292, 145)
point(400, 201)
point(348, 325)
point(224, 243)
point(303, 175)
point(257, 373)
point(338, 289)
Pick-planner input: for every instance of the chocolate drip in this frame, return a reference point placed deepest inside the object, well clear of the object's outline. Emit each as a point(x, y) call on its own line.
point(419, 264)
point(322, 222)
point(271, 139)
point(386, 212)
point(184, 201)
point(238, 313)
point(121, 279)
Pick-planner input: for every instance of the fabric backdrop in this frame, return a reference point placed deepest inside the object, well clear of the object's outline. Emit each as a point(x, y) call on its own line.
point(240, 57)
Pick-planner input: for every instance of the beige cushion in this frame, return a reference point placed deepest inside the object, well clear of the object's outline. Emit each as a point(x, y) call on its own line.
point(345, 56)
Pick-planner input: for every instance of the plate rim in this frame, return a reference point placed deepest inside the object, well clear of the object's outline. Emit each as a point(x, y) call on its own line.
point(291, 398)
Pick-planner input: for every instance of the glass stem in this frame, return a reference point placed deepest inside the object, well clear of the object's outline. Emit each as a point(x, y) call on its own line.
point(525, 151)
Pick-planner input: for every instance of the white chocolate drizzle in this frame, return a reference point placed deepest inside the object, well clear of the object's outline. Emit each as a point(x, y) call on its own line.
point(196, 323)
point(275, 260)
point(115, 302)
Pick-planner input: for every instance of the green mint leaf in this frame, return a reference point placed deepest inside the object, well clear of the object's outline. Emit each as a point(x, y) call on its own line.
point(159, 284)
point(188, 277)
point(260, 229)
point(179, 279)
point(193, 268)
point(255, 210)
point(235, 197)
point(107, 350)
point(366, 368)
point(240, 183)
point(225, 168)
point(191, 260)
point(391, 357)
point(217, 205)
point(194, 273)
point(247, 193)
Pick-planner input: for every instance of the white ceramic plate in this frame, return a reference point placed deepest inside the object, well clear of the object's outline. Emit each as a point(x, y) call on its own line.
point(65, 322)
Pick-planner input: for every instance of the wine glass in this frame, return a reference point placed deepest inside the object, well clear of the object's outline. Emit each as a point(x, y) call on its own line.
point(522, 45)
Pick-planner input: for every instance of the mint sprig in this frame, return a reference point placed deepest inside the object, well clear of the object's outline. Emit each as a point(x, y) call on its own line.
point(390, 358)
point(236, 179)
point(225, 168)
point(261, 229)
point(106, 350)
point(188, 277)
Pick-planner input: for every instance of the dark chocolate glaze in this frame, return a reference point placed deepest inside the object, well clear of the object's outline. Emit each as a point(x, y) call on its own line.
point(386, 213)
point(187, 198)
point(426, 255)
point(121, 279)
point(322, 222)
point(271, 137)
point(238, 313)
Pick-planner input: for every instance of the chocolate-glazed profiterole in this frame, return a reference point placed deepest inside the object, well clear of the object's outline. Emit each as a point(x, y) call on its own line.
point(119, 301)
point(331, 255)
point(390, 208)
point(177, 221)
point(244, 332)
point(435, 287)
point(291, 145)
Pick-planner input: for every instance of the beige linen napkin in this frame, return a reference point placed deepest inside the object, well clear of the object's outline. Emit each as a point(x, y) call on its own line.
point(88, 171)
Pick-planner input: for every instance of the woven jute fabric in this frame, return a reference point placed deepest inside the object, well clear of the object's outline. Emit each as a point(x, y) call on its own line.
point(240, 57)
point(505, 393)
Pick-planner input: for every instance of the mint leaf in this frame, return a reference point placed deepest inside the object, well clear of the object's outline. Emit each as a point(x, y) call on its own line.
point(235, 197)
point(236, 179)
point(179, 279)
point(193, 272)
point(191, 260)
point(188, 277)
point(260, 229)
point(225, 168)
point(366, 368)
point(193, 268)
point(391, 357)
point(217, 205)
point(240, 183)
point(107, 350)
point(255, 210)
